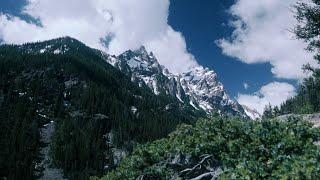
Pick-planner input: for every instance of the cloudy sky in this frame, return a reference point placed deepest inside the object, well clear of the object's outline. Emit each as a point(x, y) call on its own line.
point(248, 43)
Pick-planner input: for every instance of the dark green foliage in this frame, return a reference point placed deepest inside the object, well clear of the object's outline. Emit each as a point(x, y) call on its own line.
point(81, 151)
point(268, 112)
point(87, 98)
point(19, 137)
point(243, 149)
point(308, 15)
point(306, 101)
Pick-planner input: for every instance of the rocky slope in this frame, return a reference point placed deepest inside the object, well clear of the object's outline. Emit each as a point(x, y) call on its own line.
point(312, 118)
point(50, 172)
point(198, 87)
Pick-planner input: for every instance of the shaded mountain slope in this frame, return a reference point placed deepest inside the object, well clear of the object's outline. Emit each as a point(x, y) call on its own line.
point(65, 81)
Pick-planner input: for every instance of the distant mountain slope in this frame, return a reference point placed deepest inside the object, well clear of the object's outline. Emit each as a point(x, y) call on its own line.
point(252, 113)
point(199, 87)
point(63, 80)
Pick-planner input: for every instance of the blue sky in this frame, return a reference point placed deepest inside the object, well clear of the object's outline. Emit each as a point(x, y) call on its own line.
point(244, 41)
point(204, 23)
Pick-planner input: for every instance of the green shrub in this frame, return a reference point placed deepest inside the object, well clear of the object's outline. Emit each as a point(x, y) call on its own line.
point(243, 149)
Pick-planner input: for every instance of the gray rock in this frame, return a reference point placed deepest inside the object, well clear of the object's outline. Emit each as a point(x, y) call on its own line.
point(199, 87)
point(312, 118)
point(49, 171)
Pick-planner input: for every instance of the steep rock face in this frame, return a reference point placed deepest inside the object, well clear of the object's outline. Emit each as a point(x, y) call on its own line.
point(252, 113)
point(199, 87)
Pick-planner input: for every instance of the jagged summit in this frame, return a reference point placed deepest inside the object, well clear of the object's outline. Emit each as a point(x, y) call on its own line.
point(139, 57)
point(199, 87)
point(141, 50)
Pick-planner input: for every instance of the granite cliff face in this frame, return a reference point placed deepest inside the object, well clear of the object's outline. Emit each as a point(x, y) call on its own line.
point(198, 87)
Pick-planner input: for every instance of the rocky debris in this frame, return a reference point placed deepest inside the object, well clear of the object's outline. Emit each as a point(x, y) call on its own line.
point(118, 155)
point(317, 143)
point(115, 155)
point(49, 172)
point(312, 118)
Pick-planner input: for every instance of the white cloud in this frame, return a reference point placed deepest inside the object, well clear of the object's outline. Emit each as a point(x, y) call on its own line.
point(130, 24)
point(171, 48)
point(274, 93)
point(262, 34)
point(245, 85)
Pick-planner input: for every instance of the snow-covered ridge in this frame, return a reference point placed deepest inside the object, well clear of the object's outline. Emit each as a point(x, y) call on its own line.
point(198, 87)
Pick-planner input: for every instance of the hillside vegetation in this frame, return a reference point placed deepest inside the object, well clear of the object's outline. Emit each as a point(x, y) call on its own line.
point(228, 149)
point(89, 100)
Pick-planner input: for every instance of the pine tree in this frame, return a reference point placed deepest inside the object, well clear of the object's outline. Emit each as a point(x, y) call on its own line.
point(268, 112)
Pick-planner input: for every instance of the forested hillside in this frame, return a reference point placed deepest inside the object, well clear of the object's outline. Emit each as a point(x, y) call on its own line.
point(63, 80)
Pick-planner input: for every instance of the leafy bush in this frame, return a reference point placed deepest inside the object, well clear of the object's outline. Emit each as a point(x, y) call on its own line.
point(243, 149)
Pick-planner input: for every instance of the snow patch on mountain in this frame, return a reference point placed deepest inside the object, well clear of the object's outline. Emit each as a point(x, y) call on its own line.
point(252, 113)
point(199, 87)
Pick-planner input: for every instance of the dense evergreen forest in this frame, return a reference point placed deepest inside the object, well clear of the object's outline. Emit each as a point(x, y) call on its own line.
point(87, 98)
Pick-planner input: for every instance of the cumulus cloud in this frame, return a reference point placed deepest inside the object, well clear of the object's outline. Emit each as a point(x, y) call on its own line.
point(262, 34)
point(128, 24)
point(274, 93)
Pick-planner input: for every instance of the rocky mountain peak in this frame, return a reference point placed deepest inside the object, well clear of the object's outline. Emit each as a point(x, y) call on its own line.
point(142, 50)
point(140, 60)
point(199, 87)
